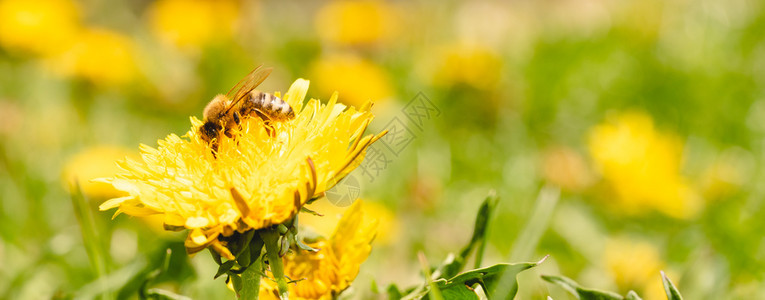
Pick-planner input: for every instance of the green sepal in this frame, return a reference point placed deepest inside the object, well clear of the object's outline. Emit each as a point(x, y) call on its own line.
point(169, 227)
point(216, 256)
point(310, 211)
point(224, 268)
point(236, 281)
point(244, 259)
point(282, 229)
point(237, 242)
point(256, 248)
point(284, 245)
point(305, 247)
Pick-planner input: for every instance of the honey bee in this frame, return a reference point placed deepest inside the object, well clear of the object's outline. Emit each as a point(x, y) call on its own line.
point(224, 112)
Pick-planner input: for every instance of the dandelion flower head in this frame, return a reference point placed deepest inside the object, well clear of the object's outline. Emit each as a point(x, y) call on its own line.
point(257, 178)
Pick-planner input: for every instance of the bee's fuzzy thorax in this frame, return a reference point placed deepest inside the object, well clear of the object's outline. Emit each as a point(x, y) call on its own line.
point(215, 108)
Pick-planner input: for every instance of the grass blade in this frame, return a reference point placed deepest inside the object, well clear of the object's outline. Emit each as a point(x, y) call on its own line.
point(90, 237)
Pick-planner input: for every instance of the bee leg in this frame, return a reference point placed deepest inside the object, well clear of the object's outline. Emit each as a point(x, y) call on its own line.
point(270, 129)
point(214, 148)
point(237, 118)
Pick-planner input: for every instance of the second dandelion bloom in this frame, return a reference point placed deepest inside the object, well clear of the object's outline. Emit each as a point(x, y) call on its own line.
point(326, 273)
point(261, 176)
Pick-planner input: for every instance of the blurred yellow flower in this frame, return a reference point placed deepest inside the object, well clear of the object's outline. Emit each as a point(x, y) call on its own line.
point(635, 265)
point(194, 23)
point(473, 65)
point(358, 80)
point(92, 163)
point(326, 273)
point(387, 226)
point(257, 178)
point(642, 166)
point(100, 56)
point(41, 27)
point(566, 168)
point(356, 22)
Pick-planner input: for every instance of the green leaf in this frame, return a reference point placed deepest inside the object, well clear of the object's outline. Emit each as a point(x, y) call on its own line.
point(488, 278)
point(455, 265)
point(537, 224)
point(631, 295)
point(669, 288)
point(394, 292)
point(435, 292)
point(93, 245)
point(160, 294)
point(578, 291)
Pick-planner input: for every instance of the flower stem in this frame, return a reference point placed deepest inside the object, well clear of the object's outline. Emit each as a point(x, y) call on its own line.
point(251, 282)
point(270, 237)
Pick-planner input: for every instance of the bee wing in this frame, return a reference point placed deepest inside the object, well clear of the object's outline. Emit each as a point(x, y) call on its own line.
point(246, 85)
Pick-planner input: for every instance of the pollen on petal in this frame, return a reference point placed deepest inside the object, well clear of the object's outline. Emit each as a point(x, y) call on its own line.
point(197, 222)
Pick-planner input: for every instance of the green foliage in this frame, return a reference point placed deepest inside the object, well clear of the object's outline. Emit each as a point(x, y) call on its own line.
point(669, 288)
point(448, 282)
point(463, 285)
point(591, 294)
point(90, 236)
point(581, 292)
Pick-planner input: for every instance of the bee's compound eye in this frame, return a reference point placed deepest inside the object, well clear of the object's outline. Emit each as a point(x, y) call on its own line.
point(210, 130)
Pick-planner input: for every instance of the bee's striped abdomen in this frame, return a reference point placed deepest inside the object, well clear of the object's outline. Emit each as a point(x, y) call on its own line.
point(267, 106)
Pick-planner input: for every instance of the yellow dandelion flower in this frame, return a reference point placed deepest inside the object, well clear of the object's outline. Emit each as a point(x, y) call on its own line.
point(257, 178)
point(92, 163)
point(326, 273)
point(356, 22)
point(642, 166)
point(193, 23)
point(357, 79)
point(635, 265)
point(42, 27)
point(387, 224)
point(100, 56)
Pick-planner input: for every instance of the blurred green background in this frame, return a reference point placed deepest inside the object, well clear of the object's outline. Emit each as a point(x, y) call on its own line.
point(644, 122)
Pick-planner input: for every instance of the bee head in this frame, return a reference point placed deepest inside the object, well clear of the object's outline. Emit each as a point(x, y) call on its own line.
point(209, 131)
point(215, 109)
